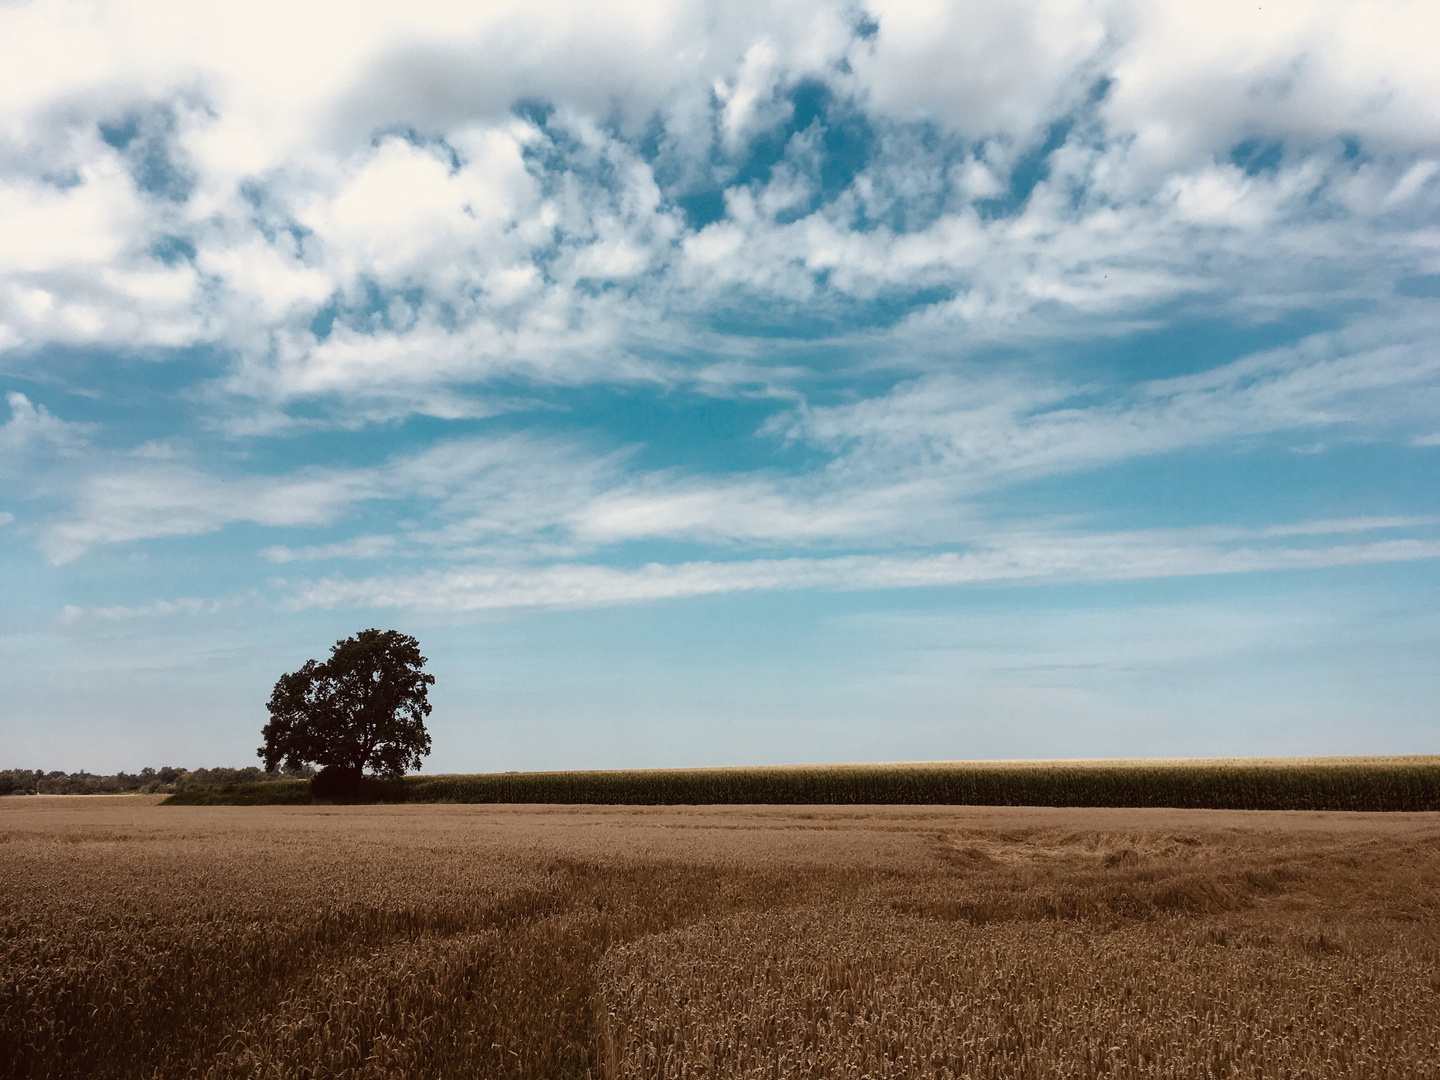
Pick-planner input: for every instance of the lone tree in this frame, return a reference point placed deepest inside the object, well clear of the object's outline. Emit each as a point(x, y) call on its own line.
point(364, 708)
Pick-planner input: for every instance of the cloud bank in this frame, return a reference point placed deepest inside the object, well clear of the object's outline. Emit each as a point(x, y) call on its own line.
point(888, 228)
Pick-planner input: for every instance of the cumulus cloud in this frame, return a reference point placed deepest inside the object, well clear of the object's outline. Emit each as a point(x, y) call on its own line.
point(1189, 79)
point(945, 63)
point(379, 203)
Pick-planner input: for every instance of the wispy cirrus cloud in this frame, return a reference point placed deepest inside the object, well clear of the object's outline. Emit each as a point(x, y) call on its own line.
point(32, 425)
point(189, 606)
point(359, 547)
point(162, 499)
point(472, 491)
point(900, 468)
point(987, 430)
point(1005, 559)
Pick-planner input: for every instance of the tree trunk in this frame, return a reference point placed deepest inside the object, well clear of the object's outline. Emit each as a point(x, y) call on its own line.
point(336, 782)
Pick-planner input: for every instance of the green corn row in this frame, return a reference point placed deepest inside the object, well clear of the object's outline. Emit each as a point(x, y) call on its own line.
point(1305, 784)
point(1365, 784)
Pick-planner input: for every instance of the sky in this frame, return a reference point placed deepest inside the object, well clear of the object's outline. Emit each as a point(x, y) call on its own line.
point(720, 384)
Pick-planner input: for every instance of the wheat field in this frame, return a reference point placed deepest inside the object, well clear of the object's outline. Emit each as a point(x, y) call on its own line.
point(721, 941)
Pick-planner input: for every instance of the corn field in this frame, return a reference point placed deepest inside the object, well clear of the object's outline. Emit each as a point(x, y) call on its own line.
point(1358, 784)
point(140, 940)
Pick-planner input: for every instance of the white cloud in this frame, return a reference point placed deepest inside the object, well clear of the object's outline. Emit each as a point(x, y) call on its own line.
point(1345, 525)
point(1013, 559)
point(359, 547)
point(293, 251)
point(1190, 79)
point(748, 101)
point(361, 167)
point(348, 204)
point(478, 491)
point(985, 67)
point(982, 432)
point(903, 467)
point(74, 266)
point(32, 426)
point(156, 500)
point(186, 606)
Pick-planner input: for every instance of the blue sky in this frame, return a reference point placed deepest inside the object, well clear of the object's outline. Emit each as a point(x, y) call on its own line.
point(713, 385)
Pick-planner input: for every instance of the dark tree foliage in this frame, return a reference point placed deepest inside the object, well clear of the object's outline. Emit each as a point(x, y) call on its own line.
point(361, 710)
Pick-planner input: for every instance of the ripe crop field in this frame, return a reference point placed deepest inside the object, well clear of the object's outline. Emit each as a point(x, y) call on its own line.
point(139, 940)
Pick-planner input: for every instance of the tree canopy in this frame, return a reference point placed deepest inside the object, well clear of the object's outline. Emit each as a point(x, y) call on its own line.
point(361, 710)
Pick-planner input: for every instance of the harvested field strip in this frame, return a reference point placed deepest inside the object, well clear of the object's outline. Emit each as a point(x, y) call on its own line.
point(1354, 784)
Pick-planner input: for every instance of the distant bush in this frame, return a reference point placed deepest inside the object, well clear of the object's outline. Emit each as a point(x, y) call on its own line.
point(282, 792)
point(19, 781)
point(291, 792)
point(167, 780)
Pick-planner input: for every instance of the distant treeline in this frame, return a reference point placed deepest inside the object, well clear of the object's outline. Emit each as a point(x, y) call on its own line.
point(167, 780)
point(1374, 784)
